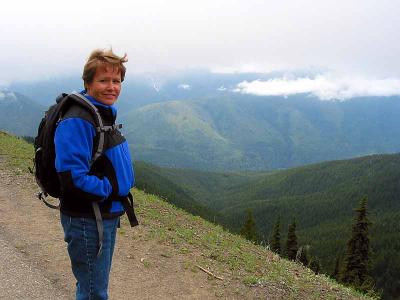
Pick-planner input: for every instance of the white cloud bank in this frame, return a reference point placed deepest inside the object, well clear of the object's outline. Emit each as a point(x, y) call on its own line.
point(323, 86)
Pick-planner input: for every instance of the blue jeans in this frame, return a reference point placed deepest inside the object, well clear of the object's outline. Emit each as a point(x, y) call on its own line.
point(91, 272)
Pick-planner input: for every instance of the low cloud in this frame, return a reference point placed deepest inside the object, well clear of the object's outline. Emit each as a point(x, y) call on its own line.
point(323, 86)
point(7, 96)
point(184, 86)
point(221, 88)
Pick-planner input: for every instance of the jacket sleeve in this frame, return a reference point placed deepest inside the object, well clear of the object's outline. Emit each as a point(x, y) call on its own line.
point(74, 145)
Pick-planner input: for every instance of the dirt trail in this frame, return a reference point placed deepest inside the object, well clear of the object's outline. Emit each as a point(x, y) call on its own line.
point(141, 270)
point(20, 279)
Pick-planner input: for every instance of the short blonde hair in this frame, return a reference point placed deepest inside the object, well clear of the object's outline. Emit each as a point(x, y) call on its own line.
point(101, 57)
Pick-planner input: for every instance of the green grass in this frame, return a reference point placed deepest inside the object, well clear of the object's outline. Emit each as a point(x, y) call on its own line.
point(230, 255)
point(207, 245)
point(19, 153)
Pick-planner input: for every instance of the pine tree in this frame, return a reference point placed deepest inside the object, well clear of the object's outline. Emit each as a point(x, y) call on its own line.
point(275, 241)
point(302, 255)
point(291, 243)
point(357, 255)
point(336, 271)
point(249, 227)
point(315, 265)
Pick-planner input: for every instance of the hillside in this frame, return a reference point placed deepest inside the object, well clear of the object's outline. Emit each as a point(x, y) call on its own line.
point(321, 197)
point(242, 132)
point(160, 258)
point(19, 114)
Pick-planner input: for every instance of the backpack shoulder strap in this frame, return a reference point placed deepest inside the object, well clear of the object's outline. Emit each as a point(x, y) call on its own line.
point(100, 128)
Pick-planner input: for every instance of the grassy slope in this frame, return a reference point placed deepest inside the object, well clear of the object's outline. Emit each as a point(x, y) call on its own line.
point(161, 131)
point(202, 243)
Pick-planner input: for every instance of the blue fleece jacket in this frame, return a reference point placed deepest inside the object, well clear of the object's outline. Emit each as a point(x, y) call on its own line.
point(111, 176)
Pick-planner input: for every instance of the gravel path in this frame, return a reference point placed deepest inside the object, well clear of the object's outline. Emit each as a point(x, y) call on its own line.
point(19, 279)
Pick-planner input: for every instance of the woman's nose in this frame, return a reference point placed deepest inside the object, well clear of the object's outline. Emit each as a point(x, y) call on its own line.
point(110, 85)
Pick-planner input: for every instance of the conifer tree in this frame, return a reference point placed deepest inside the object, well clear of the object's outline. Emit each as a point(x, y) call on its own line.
point(275, 241)
point(357, 255)
point(302, 255)
point(249, 227)
point(291, 243)
point(315, 265)
point(336, 271)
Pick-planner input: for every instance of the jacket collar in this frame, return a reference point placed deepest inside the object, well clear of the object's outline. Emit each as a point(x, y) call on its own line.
point(98, 104)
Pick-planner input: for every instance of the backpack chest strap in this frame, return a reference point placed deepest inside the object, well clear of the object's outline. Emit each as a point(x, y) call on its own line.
point(108, 128)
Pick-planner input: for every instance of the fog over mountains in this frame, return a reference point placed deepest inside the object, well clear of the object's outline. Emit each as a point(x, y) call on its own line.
point(243, 121)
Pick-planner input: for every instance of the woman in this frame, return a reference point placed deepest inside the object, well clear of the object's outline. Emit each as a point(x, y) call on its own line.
point(106, 182)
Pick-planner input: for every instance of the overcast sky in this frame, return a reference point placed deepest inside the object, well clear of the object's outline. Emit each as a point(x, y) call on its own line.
point(41, 39)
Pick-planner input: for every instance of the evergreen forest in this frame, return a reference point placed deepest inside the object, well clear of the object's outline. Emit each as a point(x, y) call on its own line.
point(321, 198)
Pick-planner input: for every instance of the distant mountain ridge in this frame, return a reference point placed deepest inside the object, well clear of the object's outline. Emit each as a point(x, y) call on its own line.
point(19, 114)
point(142, 89)
point(196, 120)
point(243, 132)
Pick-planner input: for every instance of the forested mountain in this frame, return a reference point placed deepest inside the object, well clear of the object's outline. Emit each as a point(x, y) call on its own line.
point(321, 197)
point(243, 132)
point(191, 190)
point(196, 120)
point(19, 114)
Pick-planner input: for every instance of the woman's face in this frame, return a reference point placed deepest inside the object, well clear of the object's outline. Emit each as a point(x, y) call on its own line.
point(106, 85)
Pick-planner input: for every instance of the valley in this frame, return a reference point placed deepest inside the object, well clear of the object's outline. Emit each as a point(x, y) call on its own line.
point(218, 154)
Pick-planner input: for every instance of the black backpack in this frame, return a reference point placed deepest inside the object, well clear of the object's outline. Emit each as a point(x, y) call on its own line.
point(44, 167)
point(45, 172)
